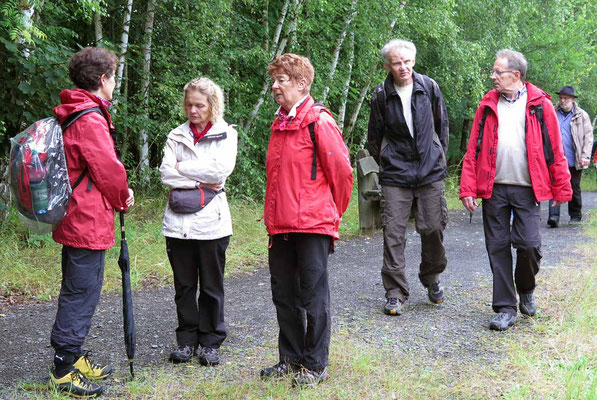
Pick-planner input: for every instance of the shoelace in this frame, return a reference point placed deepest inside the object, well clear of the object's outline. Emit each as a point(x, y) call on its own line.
point(80, 380)
point(90, 364)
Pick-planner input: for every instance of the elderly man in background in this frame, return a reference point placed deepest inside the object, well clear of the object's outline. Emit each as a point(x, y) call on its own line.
point(577, 138)
point(514, 161)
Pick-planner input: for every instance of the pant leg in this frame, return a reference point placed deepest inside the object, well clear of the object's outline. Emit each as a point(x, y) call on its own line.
point(285, 283)
point(526, 237)
point(496, 226)
point(82, 279)
point(554, 211)
point(431, 218)
point(396, 204)
point(212, 256)
point(312, 252)
point(575, 205)
point(185, 265)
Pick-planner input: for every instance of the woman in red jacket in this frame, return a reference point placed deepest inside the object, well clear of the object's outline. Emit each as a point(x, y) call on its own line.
point(87, 230)
point(309, 183)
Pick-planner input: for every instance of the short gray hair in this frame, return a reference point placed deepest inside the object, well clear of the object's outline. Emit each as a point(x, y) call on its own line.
point(516, 61)
point(397, 45)
point(214, 94)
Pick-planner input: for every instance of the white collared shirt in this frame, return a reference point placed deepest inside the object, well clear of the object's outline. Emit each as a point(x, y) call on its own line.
point(292, 112)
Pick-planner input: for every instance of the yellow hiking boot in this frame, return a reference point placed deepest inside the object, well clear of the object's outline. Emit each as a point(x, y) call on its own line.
point(90, 369)
point(75, 384)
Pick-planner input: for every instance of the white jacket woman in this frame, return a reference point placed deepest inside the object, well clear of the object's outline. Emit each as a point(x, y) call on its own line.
point(199, 153)
point(211, 160)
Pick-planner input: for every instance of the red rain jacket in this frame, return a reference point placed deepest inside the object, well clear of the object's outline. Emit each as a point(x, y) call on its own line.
point(89, 222)
point(548, 183)
point(293, 201)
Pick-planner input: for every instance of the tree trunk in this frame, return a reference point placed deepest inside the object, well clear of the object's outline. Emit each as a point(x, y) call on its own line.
point(279, 26)
point(464, 133)
point(124, 43)
point(336, 53)
point(342, 110)
point(290, 32)
point(144, 155)
point(27, 11)
point(97, 24)
point(355, 114)
point(266, 27)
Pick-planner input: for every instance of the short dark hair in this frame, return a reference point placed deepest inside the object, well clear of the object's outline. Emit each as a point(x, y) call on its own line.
point(86, 66)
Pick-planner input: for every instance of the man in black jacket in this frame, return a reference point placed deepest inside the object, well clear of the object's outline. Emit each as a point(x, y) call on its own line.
point(408, 137)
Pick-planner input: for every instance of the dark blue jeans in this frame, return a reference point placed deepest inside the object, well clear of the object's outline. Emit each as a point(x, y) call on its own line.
point(82, 279)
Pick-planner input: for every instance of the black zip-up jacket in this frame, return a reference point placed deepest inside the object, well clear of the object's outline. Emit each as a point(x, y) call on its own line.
point(405, 161)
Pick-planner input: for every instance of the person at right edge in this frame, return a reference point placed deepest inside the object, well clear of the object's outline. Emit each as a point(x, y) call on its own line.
point(577, 138)
point(408, 137)
point(514, 160)
point(87, 230)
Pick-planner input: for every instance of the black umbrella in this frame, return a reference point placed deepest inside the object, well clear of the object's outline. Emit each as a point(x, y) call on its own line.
point(127, 297)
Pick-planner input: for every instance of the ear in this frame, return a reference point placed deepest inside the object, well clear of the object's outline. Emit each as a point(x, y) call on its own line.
point(302, 85)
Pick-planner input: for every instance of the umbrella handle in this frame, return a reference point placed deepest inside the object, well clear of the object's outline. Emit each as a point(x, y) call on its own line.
point(122, 225)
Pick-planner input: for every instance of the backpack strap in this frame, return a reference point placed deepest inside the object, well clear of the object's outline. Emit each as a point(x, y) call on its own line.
point(312, 134)
point(481, 128)
point(547, 148)
point(67, 123)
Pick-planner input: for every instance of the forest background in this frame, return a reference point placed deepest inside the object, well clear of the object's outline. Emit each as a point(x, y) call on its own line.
point(164, 44)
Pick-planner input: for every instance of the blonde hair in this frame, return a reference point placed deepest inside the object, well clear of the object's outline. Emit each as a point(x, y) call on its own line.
point(214, 94)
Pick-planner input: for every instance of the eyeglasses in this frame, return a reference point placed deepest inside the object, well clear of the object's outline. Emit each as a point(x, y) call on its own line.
point(499, 73)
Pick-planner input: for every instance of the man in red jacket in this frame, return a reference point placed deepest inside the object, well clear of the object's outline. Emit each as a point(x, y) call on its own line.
point(514, 161)
point(87, 230)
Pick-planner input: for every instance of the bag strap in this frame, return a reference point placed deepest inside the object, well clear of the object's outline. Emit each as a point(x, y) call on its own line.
point(481, 128)
point(547, 148)
point(312, 134)
point(67, 123)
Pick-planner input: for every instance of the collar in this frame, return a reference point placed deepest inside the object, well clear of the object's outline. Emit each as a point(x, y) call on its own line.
point(293, 111)
point(105, 102)
point(519, 93)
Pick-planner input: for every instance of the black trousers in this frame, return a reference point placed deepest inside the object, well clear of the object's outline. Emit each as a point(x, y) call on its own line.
point(199, 263)
point(574, 205)
point(82, 279)
point(500, 236)
point(301, 294)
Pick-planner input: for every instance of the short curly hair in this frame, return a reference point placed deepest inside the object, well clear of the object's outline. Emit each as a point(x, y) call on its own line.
point(214, 94)
point(87, 66)
point(295, 66)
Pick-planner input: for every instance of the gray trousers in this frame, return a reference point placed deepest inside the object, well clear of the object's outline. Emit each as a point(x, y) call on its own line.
point(500, 236)
point(431, 217)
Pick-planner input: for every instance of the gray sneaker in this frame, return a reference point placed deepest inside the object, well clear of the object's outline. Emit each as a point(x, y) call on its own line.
point(209, 356)
point(393, 306)
point(502, 321)
point(182, 354)
point(527, 304)
point(309, 378)
point(435, 293)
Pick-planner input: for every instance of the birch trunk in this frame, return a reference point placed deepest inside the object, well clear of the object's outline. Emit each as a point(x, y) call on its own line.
point(336, 53)
point(355, 114)
point(144, 156)
point(279, 49)
point(266, 27)
point(27, 11)
point(346, 86)
point(124, 42)
point(97, 25)
point(278, 32)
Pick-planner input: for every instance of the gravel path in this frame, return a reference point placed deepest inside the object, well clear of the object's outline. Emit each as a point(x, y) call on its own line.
point(450, 331)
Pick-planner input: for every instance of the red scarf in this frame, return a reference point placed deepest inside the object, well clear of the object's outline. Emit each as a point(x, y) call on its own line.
point(285, 119)
point(199, 135)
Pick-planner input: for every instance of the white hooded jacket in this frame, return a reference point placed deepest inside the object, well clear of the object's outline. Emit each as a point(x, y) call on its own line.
point(211, 160)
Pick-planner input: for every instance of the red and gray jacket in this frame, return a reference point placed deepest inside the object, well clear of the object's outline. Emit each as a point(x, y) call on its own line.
point(89, 222)
point(550, 178)
point(294, 202)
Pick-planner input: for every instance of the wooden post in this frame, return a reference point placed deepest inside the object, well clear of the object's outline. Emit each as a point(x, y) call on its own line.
point(369, 192)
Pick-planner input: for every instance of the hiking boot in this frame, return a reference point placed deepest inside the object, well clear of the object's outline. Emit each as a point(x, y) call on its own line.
point(278, 370)
point(502, 321)
point(574, 220)
point(393, 307)
point(552, 222)
point(90, 369)
point(76, 385)
point(435, 293)
point(309, 378)
point(209, 356)
point(527, 304)
point(182, 354)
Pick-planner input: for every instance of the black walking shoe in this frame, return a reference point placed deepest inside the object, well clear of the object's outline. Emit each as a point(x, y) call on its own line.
point(75, 384)
point(552, 222)
point(181, 354)
point(209, 356)
point(393, 307)
point(502, 321)
point(574, 220)
point(90, 369)
point(435, 293)
point(527, 304)
point(278, 370)
point(309, 378)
